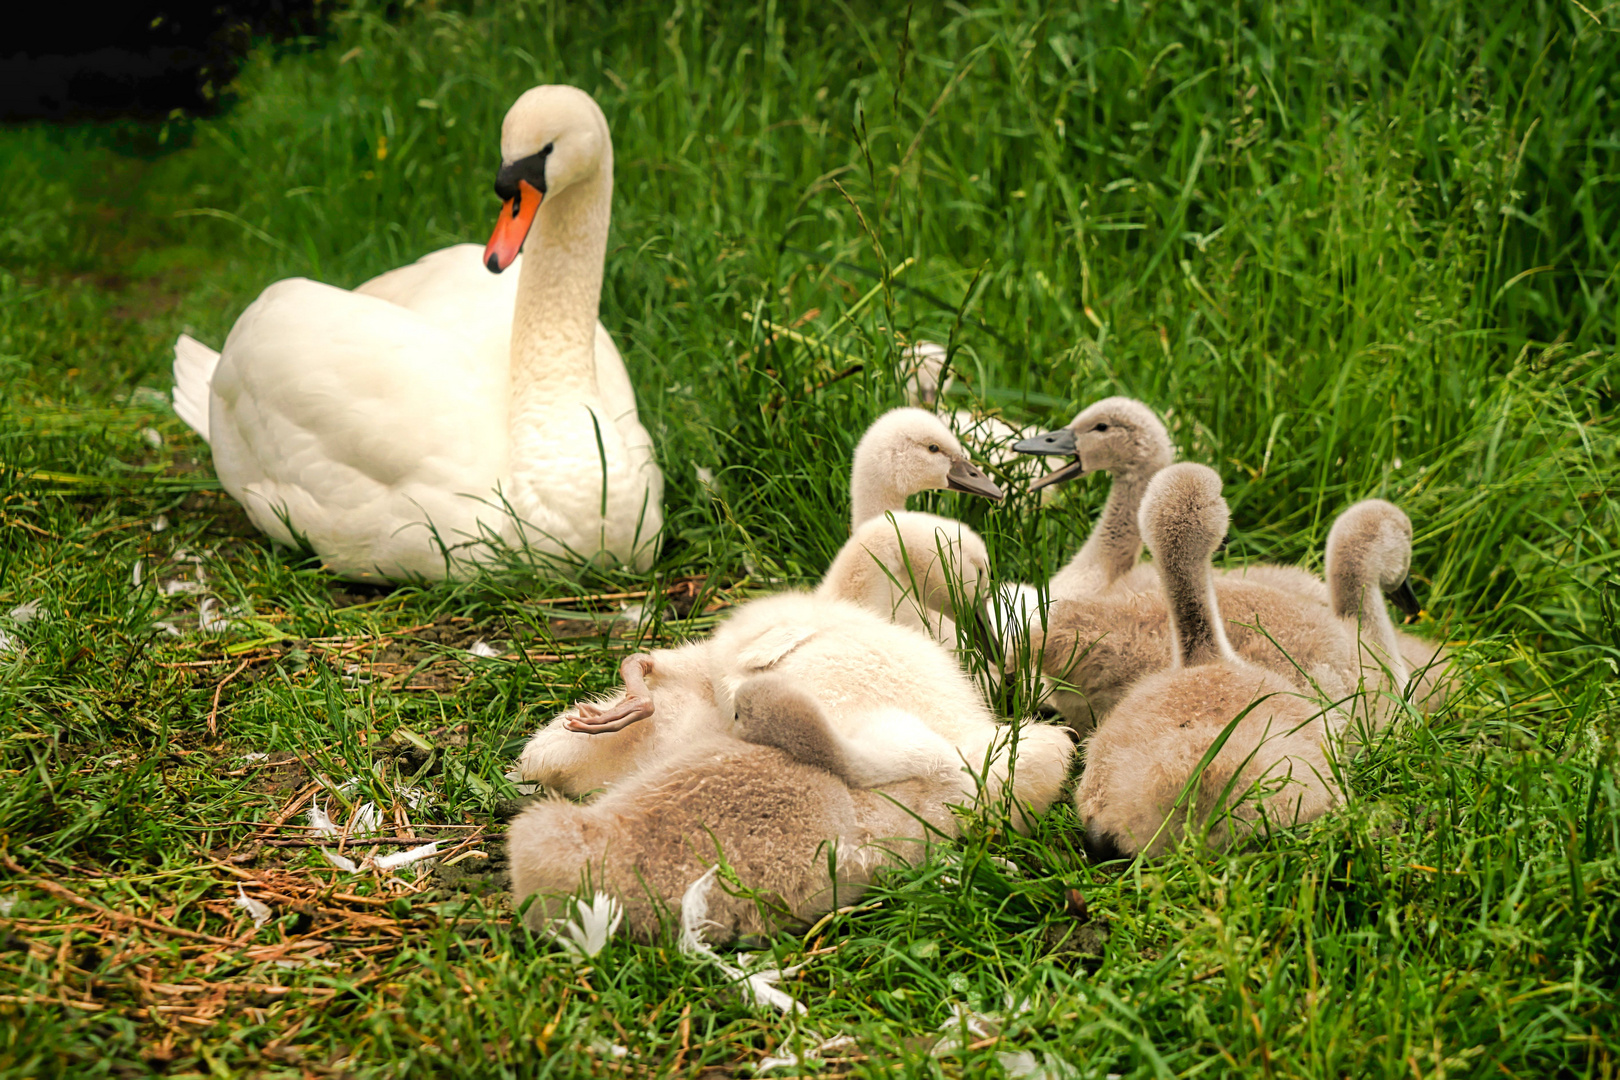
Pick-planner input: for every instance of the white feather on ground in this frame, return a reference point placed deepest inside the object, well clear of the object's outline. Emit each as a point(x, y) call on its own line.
point(589, 932)
point(256, 909)
point(212, 618)
point(405, 858)
point(365, 820)
point(319, 823)
point(344, 864)
point(758, 987)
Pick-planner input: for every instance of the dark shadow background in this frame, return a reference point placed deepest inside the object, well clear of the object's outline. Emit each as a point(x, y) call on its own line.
point(138, 60)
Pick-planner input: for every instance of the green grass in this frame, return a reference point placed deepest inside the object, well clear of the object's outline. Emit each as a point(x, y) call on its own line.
point(1349, 249)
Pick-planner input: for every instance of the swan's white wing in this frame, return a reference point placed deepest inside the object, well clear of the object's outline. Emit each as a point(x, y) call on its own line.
point(356, 420)
point(449, 287)
point(453, 288)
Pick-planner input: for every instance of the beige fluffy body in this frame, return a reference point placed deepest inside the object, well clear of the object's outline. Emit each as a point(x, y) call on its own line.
point(1095, 649)
point(776, 802)
point(1273, 765)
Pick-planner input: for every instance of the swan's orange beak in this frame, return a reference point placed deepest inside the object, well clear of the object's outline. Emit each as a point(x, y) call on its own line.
point(517, 214)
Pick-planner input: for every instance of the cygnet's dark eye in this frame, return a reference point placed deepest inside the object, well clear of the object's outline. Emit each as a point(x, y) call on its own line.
point(1100, 427)
point(933, 448)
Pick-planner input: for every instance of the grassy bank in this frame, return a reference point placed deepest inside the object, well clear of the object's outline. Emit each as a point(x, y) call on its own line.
point(1348, 250)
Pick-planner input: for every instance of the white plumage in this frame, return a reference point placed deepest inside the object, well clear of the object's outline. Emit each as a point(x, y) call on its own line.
point(417, 425)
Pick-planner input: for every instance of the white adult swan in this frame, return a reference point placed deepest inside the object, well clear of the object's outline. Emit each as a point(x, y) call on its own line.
point(402, 431)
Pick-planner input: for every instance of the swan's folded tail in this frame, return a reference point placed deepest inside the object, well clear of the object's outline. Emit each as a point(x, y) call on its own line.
point(194, 365)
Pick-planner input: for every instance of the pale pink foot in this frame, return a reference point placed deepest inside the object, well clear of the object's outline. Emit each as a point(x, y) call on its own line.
point(636, 704)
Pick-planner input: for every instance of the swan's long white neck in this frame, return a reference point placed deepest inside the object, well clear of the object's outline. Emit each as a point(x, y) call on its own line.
point(1115, 543)
point(554, 323)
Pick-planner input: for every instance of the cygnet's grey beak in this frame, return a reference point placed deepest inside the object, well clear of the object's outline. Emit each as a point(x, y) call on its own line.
point(966, 477)
point(1405, 599)
point(1059, 443)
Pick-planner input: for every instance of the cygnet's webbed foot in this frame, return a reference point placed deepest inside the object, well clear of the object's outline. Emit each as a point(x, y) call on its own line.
point(635, 705)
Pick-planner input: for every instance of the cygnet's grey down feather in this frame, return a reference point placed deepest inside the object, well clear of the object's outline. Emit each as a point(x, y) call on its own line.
point(774, 805)
point(1096, 648)
point(1273, 765)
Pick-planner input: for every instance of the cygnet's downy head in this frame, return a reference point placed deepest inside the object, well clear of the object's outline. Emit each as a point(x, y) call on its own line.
point(1117, 434)
point(922, 364)
point(913, 451)
point(1371, 544)
point(552, 137)
point(1183, 516)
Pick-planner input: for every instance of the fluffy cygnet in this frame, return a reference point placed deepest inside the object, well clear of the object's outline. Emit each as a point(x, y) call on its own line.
point(1273, 765)
point(1124, 438)
point(777, 803)
point(1369, 552)
point(906, 452)
point(865, 673)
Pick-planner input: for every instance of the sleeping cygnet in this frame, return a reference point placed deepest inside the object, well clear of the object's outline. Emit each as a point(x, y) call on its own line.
point(779, 802)
point(863, 671)
point(856, 665)
point(1273, 767)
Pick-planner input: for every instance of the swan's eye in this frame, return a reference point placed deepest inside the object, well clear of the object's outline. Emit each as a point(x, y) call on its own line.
point(933, 448)
point(1100, 427)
